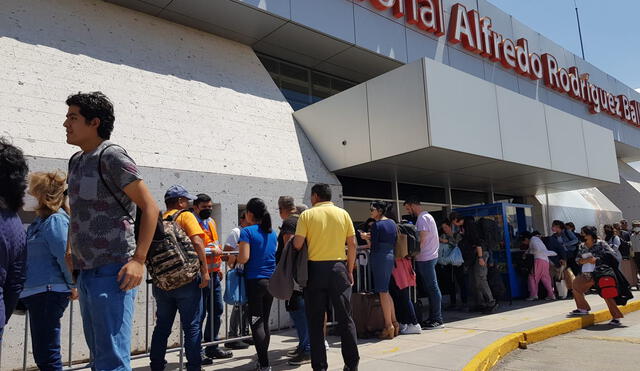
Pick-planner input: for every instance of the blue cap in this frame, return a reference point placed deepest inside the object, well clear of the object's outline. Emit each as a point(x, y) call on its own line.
point(176, 191)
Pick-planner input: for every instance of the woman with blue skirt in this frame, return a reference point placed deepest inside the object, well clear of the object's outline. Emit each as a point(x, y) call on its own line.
point(381, 240)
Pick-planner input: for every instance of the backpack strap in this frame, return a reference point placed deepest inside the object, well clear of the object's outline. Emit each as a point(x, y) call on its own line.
point(172, 218)
point(126, 212)
point(73, 157)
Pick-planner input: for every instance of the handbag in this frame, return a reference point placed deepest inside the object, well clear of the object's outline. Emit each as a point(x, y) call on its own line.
point(455, 257)
point(443, 254)
point(235, 292)
point(403, 273)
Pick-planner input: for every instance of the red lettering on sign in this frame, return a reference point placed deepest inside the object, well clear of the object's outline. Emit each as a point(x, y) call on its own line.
point(485, 30)
point(536, 67)
point(508, 50)
point(574, 82)
point(476, 35)
point(522, 57)
point(550, 71)
point(459, 28)
point(565, 84)
point(625, 109)
point(428, 15)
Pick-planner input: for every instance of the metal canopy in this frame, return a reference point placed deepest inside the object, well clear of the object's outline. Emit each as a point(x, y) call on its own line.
point(440, 168)
point(427, 123)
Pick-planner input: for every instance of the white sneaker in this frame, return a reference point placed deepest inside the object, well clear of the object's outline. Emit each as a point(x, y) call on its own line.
point(411, 330)
point(615, 322)
point(531, 298)
point(326, 345)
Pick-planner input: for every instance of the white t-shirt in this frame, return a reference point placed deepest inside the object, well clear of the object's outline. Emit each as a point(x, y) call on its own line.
point(232, 241)
point(539, 250)
point(428, 246)
point(635, 242)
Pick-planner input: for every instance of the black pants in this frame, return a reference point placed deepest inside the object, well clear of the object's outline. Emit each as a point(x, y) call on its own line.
point(328, 281)
point(456, 282)
point(260, 301)
point(405, 311)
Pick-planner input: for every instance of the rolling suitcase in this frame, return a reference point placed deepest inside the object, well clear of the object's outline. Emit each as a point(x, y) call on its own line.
point(367, 314)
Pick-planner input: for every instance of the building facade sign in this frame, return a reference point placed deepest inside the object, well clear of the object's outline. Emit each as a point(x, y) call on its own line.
point(474, 33)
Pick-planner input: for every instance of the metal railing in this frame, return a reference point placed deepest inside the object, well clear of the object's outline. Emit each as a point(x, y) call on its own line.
point(362, 283)
point(80, 365)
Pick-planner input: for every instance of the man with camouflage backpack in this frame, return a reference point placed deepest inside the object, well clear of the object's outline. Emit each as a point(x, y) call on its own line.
point(186, 299)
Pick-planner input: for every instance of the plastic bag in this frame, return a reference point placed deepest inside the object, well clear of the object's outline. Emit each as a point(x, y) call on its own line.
point(455, 257)
point(235, 292)
point(443, 254)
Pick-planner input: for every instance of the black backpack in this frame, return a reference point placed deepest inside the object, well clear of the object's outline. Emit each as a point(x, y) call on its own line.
point(490, 234)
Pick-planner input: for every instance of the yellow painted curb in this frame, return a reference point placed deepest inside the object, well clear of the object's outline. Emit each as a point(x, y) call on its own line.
point(494, 352)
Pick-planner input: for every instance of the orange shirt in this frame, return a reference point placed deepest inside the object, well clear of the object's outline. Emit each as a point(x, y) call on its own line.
point(188, 222)
point(211, 240)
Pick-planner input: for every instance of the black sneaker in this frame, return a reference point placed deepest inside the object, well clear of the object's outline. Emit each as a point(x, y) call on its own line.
point(206, 361)
point(237, 345)
point(218, 353)
point(293, 352)
point(300, 359)
point(491, 309)
point(433, 325)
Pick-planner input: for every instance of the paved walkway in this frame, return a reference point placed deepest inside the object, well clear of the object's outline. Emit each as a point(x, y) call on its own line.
point(587, 350)
point(450, 348)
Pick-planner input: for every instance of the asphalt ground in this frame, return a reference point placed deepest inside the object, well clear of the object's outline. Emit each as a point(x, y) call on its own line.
point(598, 347)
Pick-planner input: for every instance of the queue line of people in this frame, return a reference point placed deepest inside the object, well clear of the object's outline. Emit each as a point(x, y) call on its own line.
point(96, 249)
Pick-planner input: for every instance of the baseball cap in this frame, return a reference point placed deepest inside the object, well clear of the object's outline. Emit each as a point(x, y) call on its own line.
point(176, 191)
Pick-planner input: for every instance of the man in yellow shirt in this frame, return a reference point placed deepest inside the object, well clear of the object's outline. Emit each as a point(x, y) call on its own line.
point(186, 299)
point(327, 229)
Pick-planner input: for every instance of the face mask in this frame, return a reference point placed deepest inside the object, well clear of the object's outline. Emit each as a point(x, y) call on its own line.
point(205, 214)
point(30, 203)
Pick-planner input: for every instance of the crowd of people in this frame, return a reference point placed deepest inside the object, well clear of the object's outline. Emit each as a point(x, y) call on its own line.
point(96, 223)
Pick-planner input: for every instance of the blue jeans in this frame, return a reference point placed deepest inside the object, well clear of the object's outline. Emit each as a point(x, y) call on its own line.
point(427, 272)
point(45, 310)
point(218, 307)
point(299, 317)
point(188, 301)
point(107, 316)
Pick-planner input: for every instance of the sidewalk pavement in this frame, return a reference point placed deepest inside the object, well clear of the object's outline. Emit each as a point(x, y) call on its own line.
point(450, 348)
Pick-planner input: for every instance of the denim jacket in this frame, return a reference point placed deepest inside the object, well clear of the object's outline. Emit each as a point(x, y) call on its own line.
point(46, 245)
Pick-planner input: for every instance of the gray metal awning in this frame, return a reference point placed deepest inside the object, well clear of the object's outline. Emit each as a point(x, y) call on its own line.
point(428, 123)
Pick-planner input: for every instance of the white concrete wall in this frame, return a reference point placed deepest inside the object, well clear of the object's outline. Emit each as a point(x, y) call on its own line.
point(184, 99)
point(191, 108)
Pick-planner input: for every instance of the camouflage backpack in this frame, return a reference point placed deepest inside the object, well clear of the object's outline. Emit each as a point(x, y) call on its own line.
point(172, 262)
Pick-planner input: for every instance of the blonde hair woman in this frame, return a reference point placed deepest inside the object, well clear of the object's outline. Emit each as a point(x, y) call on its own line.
point(49, 284)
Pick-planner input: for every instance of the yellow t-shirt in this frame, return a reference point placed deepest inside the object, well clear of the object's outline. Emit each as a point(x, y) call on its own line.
point(326, 228)
point(187, 221)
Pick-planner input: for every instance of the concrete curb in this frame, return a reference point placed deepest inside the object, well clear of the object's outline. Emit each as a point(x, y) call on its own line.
point(490, 355)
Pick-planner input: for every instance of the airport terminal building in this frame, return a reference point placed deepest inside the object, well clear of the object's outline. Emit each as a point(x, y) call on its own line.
point(453, 100)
